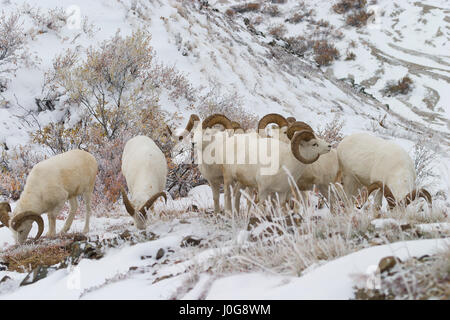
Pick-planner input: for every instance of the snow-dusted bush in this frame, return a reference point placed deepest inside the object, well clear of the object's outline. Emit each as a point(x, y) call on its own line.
point(247, 7)
point(423, 163)
point(402, 86)
point(14, 168)
point(228, 104)
point(324, 52)
point(332, 131)
point(344, 6)
point(277, 31)
point(54, 19)
point(13, 50)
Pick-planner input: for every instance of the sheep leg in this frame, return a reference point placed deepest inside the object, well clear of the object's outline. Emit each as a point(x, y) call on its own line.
point(51, 225)
point(227, 181)
point(237, 197)
point(350, 185)
point(52, 220)
point(87, 199)
point(215, 187)
point(73, 209)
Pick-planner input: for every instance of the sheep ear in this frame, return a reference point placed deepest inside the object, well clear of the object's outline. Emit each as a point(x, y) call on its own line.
point(5, 209)
point(127, 202)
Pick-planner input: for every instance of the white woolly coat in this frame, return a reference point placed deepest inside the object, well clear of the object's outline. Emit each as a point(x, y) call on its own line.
point(144, 167)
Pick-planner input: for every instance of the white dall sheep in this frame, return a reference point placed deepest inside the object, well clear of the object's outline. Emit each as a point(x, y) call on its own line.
point(144, 167)
point(48, 186)
point(370, 162)
point(320, 173)
point(303, 148)
point(204, 133)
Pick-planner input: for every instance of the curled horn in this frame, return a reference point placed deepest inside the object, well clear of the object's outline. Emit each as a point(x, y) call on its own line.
point(150, 202)
point(20, 218)
point(297, 126)
point(421, 193)
point(291, 120)
point(236, 125)
point(127, 202)
point(304, 135)
point(5, 208)
point(272, 118)
point(386, 192)
point(217, 119)
point(192, 119)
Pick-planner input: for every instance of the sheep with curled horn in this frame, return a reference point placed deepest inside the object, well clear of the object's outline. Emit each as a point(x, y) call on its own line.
point(303, 148)
point(277, 119)
point(322, 172)
point(369, 163)
point(204, 134)
point(144, 167)
point(48, 186)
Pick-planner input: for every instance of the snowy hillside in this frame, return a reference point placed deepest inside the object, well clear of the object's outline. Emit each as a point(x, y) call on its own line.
point(252, 58)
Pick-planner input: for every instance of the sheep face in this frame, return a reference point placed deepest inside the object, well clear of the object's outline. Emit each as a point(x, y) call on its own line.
point(140, 216)
point(140, 220)
point(313, 148)
point(21, 234)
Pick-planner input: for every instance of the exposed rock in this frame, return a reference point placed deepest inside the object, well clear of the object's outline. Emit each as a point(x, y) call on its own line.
point(160, 254)
point(190, 241)
point(4, 266)
point(387, 263)
point(38, 273)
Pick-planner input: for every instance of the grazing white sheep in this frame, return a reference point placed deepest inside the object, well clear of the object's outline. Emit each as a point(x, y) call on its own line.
point(370, 162)
point(48, 186)
point(320, 174)
point(144, 167)
point(205, 134)
point(303, 148)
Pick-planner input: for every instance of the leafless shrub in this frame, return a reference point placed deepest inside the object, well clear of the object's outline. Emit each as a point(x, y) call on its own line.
point(332, 131)
point(115, 81)
point(271, 10)
point(325, 53)
point(423, 163)
point(230, 12)
point(299, 45)
point(247, 7)
point(345, 6)
point(54, 19)
point(350, 56)
point(323, 23)
point(214, 101)
point(402, 86)
point(14, 169)
point(277, 31)
point(13, 50)
point(359, 18)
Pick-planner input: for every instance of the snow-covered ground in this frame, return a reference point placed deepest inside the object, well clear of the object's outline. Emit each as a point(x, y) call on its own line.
point(217, 51)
